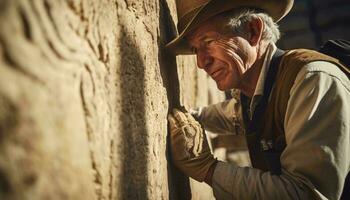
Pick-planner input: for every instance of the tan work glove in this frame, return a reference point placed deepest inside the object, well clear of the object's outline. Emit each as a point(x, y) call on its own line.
point(189, 145)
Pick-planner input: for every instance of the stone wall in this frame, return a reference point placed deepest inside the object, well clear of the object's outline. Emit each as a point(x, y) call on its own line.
point(85, 88)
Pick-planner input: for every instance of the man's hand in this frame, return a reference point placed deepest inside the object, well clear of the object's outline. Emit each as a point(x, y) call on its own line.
point(189, 146)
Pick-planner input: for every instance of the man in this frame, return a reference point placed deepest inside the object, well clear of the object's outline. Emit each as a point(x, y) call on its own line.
point(296, 124)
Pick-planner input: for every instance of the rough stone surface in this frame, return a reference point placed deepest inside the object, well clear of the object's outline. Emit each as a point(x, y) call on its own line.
point(85, 88)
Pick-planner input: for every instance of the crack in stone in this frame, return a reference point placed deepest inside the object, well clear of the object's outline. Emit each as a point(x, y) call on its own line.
point(89, 132)
point(26, 26)
point(111, 157)
point(76, 10)
point(44, 29)
point(48, 9)
point(91, 77)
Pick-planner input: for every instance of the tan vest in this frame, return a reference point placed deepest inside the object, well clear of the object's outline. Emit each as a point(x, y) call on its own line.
point(271, 128)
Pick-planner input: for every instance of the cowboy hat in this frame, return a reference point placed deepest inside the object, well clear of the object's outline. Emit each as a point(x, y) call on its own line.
point(193, 12)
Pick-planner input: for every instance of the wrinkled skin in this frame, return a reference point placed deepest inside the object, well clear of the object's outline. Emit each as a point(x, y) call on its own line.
point(228, 58)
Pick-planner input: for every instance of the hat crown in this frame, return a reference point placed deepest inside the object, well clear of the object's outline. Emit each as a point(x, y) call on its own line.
point(184, 7)
point(191, 13)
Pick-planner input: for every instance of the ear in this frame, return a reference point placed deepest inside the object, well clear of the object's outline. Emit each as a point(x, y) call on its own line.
point(255, 29)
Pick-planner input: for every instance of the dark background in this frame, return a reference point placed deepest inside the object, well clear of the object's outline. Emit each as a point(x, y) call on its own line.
point(311, 22)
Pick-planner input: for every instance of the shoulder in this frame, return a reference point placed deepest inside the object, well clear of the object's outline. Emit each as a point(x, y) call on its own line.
point(323, 72)
point(305, 62)
point(304, 56)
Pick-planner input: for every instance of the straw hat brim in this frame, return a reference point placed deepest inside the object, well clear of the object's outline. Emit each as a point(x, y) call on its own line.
point(277, 9)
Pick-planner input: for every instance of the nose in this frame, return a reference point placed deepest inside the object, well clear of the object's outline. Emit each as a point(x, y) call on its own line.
point(204, 59)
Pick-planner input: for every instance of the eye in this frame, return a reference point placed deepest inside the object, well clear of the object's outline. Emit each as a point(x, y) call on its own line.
point(207, 41)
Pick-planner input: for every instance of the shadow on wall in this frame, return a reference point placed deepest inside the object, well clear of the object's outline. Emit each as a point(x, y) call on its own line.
point(134, 134)
point(178, 183)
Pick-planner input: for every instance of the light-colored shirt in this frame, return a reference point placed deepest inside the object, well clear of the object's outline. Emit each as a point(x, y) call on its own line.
point(317, 129)
point(259, 89)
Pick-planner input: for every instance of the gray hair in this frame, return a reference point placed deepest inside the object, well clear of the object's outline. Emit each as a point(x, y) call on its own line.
point(236, 20)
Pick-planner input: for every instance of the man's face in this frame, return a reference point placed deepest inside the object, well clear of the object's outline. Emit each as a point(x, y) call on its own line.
point(225, 57)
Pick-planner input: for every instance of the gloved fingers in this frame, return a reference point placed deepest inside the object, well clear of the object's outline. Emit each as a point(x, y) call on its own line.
point(193, 121)
point(201, 138)
point(190, 118)
point(189, 130)
point(196, 146)
point(180, 117)
point(189, 146)
point(172, 122)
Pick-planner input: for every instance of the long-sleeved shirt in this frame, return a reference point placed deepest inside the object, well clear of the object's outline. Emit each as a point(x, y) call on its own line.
point(316, 159)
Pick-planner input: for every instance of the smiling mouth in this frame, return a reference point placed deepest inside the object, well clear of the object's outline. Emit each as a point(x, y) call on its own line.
point(216, 73)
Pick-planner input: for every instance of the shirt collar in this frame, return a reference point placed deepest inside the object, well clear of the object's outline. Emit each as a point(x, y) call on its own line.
point(259, 89)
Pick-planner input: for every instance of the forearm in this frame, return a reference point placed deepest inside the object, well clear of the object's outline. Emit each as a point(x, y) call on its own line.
point(209, 177)
point(232, 182)
point(221, 118)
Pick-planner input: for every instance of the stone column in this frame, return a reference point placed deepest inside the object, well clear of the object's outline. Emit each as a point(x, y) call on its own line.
point(85, 88)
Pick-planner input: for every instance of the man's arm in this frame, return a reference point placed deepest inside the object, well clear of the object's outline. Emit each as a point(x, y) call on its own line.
point(221, 118)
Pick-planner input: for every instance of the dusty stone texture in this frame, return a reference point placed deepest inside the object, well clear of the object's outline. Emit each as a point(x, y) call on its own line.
point(85, 88)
